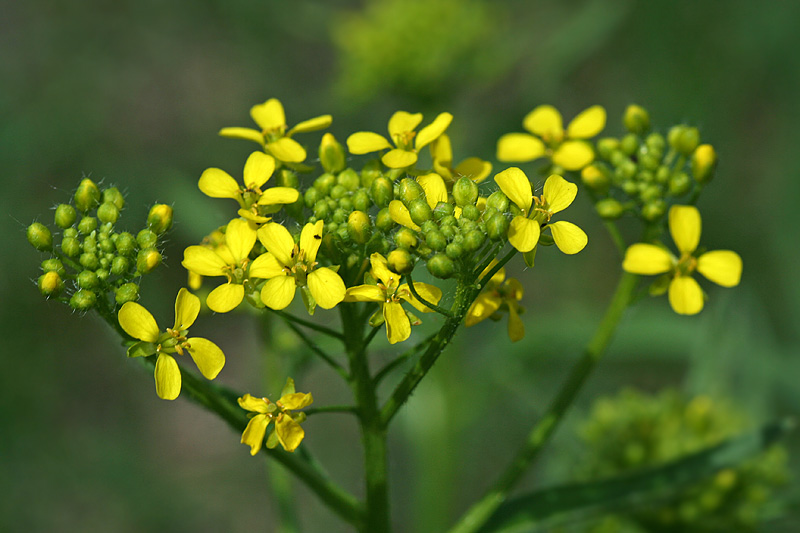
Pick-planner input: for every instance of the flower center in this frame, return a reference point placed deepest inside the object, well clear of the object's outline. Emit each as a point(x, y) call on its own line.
point(404, 140)
point(686, 265)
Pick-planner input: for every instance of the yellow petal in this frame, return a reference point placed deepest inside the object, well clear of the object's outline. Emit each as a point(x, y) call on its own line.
point(723, 267)
point(381, 271)
point(523, 234)
point(428, 292)
point(250, 216)
point(225, 254)
point(398, 327)
point(249, 402)
point(364, 142)
point(400, 215)
point(433, 130)
point(288, 150)
point(482, 308)
point(269, 115)
point(402, 122)
point(398, 158)
point(559, 193)
point(138, 322)
point(442, 150)
point(434, 187)
point(588, 123)
point(278, 292)
point(685, 296)
point(647, 259)
point(311, 238)
point(265, 266)
point(168, 377)
point(364, 293)
point(279, 195)
point(240, 238)
point(247, 134)
point(217, 183)
point(225, 298)
point(289, 432)
point(519, 148)
point(258, 169)
point(203, 261)
point(573, 155)
point(326, 287)
point(296, 400)
point(187, 307)
point(474, 168)
point(685, 226)
point(516, 329)
point(313, 124)
point(514, 184)
point(253, 434)
point(569, 238)
point(207, 356)
point(545, 121)
point(278, 241)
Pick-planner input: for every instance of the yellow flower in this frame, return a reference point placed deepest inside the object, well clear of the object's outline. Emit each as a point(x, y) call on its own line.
point(435, 191)
point(287, 265)
point(387, 291)
point(287, 430)
point(474, 168)
point(723, 267)
point(273, 135)
point(566, 149)
point(231, 260)
point(558, 194)
point(258, 169)
point(140, 324)
point(401, 131)
point(500, 294)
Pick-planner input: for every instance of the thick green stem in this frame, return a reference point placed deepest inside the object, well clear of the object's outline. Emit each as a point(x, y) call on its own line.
point(540, 434)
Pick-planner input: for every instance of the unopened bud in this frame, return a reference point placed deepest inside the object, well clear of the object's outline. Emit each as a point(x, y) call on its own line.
point(87, 197)
point(128, 292)
point(679, 184)
point(410, 190)
point(146, 239)
point(83, 300)
point(125, 244)
point(349, 179)
point(331, 154)
point(358, 226)
point(87, 225)
point(361, 201)
point(704, 161)
point(370, 172)
point(108, 213)
point(383, 220)
point(70, 246)
point(405, 238)
point(609, 209)
point(147, 260)
point(470, 212)
point(441, 266)
point(120, 265)
point(325, 183)
point(381, 191)
point(607, 146)
point(287, 178)
point(87, 279)
point(435, 240)
point(53, 265)
point(473, 240)
point(654, 210)
point(40, 237)
point(159, 219)
point(497, 227)
point(594, 178)
point(629, 144)
point(89, 261)
point(400, 261)
point(636, 119)
point(65, 216)
point(684, 139)
point(50, 283)
point(115, 197)
point(465, 192)
point(420, 211)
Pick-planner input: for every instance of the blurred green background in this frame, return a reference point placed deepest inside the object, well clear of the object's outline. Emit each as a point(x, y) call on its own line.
point(133, 93)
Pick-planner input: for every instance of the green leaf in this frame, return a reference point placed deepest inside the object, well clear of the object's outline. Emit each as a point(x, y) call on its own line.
point(528, 511)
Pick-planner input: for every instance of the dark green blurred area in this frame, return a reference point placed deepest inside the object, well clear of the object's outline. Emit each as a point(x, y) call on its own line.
point(133, 93)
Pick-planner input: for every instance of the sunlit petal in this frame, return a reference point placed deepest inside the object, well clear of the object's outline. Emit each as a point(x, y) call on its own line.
point(187, 307)
point(279, 195)
point(207, 356)
point(225, 298)
point(269, 115)
point(278, 292)
point(398, 327)
point(398, 158)
point(289, 433)
point(433, 130)
point(311, 238)
point(217, 183)
point(685, 296)
point(286, 149)
point(573, 155)
point(569, 238)
point(168, 377)
point(265, 266)
point(297, 400)
point(519, 148)
point(138, 322)
point(482, 308)
point(545, 121)
point(434, 187)
point(253, 434)
point(723, 267)
point(313, 124)
point(402, 122)
point(559, 193)
point(428, 292)
point(240, 238)
point(278, 241)
point(364, 293)
point(364, 142)
point(203, 261)
point(588, 123)
point(685, 226)
point(523, 234)
point(326, 287)
point(514, 184)
point(647, 259)
point(247, 134)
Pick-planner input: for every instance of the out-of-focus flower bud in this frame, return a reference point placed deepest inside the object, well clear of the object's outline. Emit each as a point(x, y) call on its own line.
point(636, 119)
point(704, 162)
point(609, 209)
point(331, 154)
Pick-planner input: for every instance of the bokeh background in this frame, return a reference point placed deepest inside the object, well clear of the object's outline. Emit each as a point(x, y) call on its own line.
point(133, 93)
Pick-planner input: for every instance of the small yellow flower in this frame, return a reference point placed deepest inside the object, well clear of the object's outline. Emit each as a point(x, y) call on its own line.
point(287, 265)
point(258, 170)
point(473, 168)
point(273, 135)
point(287, 430)
point(140, 324)
point(558, 194)
point(402, 127)
point(435, 192)
point(231, 260)
point(500, 294)
point(723, 267)
point(547, 137)
point(389, 293)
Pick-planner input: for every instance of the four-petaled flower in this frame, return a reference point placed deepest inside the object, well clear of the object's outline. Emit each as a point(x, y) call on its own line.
point(287, 430)
point(723, 267)
point(401, 131)
point(273, 135)
point(524, 230)
point(566, 149)
point(500, 294)
point(140, 324)
point(389, 293)
point(473, 168)
point(258, 169)
point(287, 265)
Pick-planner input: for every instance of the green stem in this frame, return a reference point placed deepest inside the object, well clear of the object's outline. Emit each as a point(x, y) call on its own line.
point(307, 324)
point(331, 409)
point(400, 359)
point(423, 301)
point(317, 350)
point(616, 236)
point(541, 432)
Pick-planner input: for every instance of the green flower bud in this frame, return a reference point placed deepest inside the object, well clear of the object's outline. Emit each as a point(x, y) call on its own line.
point(65, 216)
point(87, 196)
point(147, 260)
point(629, 144)
point(343, 233)
point(471, 212)
point(454, 250)
point(474, 240)
point(448, 220)
point(441, 266)
point(346, 203)
point(465, 192)
point(405, 238)
point(288, 178)
point(349, 179)
point(71, 232)
point(449, 232)
point(115, 197)
point(400, 261)
point(410, 190)
point(443, 209)
point(679, 184)
point(83, 300)
point(89, 260)
point(321, 209)
point(684, 139)
point(370, 172)
point(146, 239)
point(338, 191)
point(498, 200)
point(325, 183)
point(636, 119)
point(108, 212)
point(420, 210)
point(311, 197)
point(629, 187)
point(125, 244)
point(381, 191)
point(87, 225)
point(159, 219)
point(50, 283)
point(339, 216)
point(436, 240)
point(429, 225)
point(609, 208)
point(618, 158)
point(90, 244)
point(331, 154)
point(70, 246)
point(361, 201)
point(359, 226)
point(53, 265)
point(106, 245)
point(497, 227)
point(662, 175)
point(120, 265)
point(607, 146)
point(40, 237)
point(654, 210)
point(651, 192)
point(87, 280)
point(649, 161)
point(626, 171)
point(656, 143)
point(128, 292)
point(383, 220)
point(704, 161)
point(466, 224)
